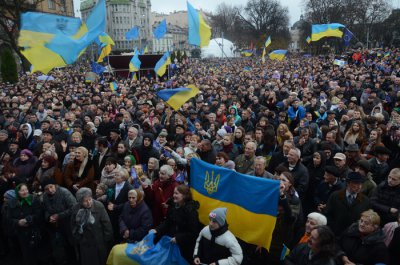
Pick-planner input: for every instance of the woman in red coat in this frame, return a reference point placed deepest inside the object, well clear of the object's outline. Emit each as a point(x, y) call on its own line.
point(159, 192)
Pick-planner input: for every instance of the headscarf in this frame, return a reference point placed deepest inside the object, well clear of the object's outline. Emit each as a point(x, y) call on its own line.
point(27, 200)
point(84, 216)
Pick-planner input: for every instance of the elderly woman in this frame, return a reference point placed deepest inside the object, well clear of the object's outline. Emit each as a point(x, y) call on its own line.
point(24, 217)
point(182, 221)
point(91, 229)
point(80, 172)
point(313, 220)
point(159, 192)
point(363, 242)
point(153, 167)
point(48, 170)
point(25, 166)
point(109, 171)
point(135, 220)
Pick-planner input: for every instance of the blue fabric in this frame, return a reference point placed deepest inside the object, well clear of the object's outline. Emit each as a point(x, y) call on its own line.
point(347, 36)
point(133, 34)
point(161, 30)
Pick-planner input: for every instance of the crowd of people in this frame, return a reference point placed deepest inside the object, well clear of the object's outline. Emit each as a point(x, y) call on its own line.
point(84, 168)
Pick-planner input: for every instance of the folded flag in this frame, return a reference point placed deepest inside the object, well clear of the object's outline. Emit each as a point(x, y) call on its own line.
point(132, 34)
point(199, 31)
point(160, 30)
point(308, 40)
point(134, 64)
point(320, 31)
point(268, 42)
point(278, 55)
point(178, 96)
point(339, 63)
point(161, 65)
point(252, 202)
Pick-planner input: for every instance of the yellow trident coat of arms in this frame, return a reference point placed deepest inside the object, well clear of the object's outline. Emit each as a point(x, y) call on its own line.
point(211, 182)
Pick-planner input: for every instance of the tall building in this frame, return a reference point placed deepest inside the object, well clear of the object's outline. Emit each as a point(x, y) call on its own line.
point(122, 15)
point(59, 7)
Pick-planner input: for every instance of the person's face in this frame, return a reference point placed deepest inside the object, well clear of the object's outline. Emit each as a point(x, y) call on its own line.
point(13, 148)
point(179, 130)
point(193, 141)
point(393, 180)
point(259, 135)
point(151, 164)
point(76, 138)
point(316, 159)
point(118, 178)
point(340, 163)
point(259, 166)
point(99, 192)
point(23, 191)
point(238, 134)
point(213, 225)
point(45, 164)
point(284, 182)
point(310, 225)
point(329, 138)
point(357, 115)
point(109, 167)
point(354, 187)
point(79, 155)
point(47, 137)
point(292, 157)
point(44, 126)
point(313, 240)
point(87, 202)
point(132, 198)
point(227, 140)
point(127, 163)
point(220, 161)
point(3, 137)
point(365, 226)
point(121, 149)
point(132, 134)
point(23, 157)
point(373, 135)
point(146, 142)
point(50, 189)
point(178, 197)
point(164, 176)
point(356, 127)
point(329, 178)
point(247, 139)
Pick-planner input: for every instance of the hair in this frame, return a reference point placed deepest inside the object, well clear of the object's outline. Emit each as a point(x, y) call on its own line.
point(297, 150)
point(261, 158)
point(124, 173)
point(289, 176)
point(373, 217)
point(156, 163)
point(395, 171)
point(223, 155)
point(78, 134)
point(185, 191)
point(102, 141)
point(82, 193)
point(111, 160)
point(83, 150)
point(168, 169)
point(326, 238)
point(317, 217)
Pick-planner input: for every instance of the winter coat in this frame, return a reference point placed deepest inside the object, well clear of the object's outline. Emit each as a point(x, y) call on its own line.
point(394, 247)
point(300, 256)
point(384, 198)
point(367, 250)
point(219, 246)
point(85, 180)
point(25, 169)
point(25, 140)
point(156, 195)
point(108, 177)
point(49, 173)
point(137, 220)
point(93, 245)
point(324, 191)
point(340, 214)
point(379, 171)
point(300, 176)
point(183, 224)
point(244, 164)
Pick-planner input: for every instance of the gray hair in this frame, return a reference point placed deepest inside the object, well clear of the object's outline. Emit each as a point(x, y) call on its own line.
point(297, 150)
point(156, 163)
point(261, 158)
point(124, 173)
point(168, 169)
point(82, 193)
point(253, 144)
point(134, 192)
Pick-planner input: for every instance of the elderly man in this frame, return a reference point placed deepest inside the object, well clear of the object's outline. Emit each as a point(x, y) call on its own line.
point(259, 168)
point(386, 197)
point(340, 163)
point(298, 171)
point(245, 162)
point(133, 140)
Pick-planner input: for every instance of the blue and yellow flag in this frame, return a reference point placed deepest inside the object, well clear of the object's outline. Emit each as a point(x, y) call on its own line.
point(263, 55)
point(320, 31)
point(134, 64)
point(134, 77)
point(267, 42)
point(199, 31)
point(338, 62)
point(132, 34)
point(70, 48)
point(278, 55)
point(252, 202)
point(105, 51)
point(285, 252)
point(161, 65)
point(160, 30)
point(308, 40)
point(37, 29)
point(178, 96)
point(387, 54)
point(113, 87)
point(146, 50)
point(247, 53)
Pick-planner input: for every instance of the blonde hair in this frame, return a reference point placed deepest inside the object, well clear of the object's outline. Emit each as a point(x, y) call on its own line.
point(373, 217)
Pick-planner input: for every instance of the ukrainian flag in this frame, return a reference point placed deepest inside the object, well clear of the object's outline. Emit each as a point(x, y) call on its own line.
point(113, 87)
point(338, 62)
point(278, 55)
point(268, 42)
point(161, 65)
point(199, 31)
point(146, 50)
point(178, 96)
point(285, 252)
point(105, 42)
point(247, 53)
point(134, 77)
point(134, 64)
point(308, 40)
point(320, 31)
point(252, 202)
point(263, 55)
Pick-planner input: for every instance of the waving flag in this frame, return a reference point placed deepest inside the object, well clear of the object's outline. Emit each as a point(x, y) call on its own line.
point(97, 68)
point(161, 30)
point(339, 63)
point(199, 31)
point(133, 34)
point(70, 48)
point(252, 202)
point(247, 53)
point(320, 31)
point(308, 40)
point(178, 96)
point(263, 55)
point(134, 64)
point(278, 55)
point(347, 36)
point(267, 42)
point(161, 65)
point(113, 87)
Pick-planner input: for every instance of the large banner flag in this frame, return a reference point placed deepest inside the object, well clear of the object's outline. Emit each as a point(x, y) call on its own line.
point(70, 48)
point(161, 30)
point(146, 252)
point(252, 202)
point(178, 96)
point(320, 31)
point(132, 34)
point(199, 31)
point(37, 29)
point(267, 42)
point(278, 55)
point(161, 65)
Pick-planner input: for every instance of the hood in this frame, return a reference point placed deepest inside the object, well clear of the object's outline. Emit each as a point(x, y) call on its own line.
point(149, 136)
point(30, 131)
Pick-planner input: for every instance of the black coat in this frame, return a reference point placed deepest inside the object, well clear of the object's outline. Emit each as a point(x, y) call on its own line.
point(383, 198)
point(300, 176)
point(137, 220)
point(394, 247)
point(366, 250)
point(183, 224)
point(98, 167)
point(300, 256)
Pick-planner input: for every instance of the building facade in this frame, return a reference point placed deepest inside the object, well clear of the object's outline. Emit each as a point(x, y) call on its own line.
point(59, 7)
point(122, 15)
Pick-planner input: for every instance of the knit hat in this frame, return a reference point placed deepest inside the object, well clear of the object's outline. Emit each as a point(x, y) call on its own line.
point(221, 132)
point(319, 218)
point(10, 194)
point(26, 152)
point(218, 215)
point(47, 181)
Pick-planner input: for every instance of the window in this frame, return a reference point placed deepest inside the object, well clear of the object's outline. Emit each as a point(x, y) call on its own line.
point(63, 5)
point(52, 4)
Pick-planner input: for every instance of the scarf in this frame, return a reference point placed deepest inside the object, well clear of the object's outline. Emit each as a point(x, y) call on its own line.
point(218, 232)
point(227, 148)
point(83, 217)
point(27, 200)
